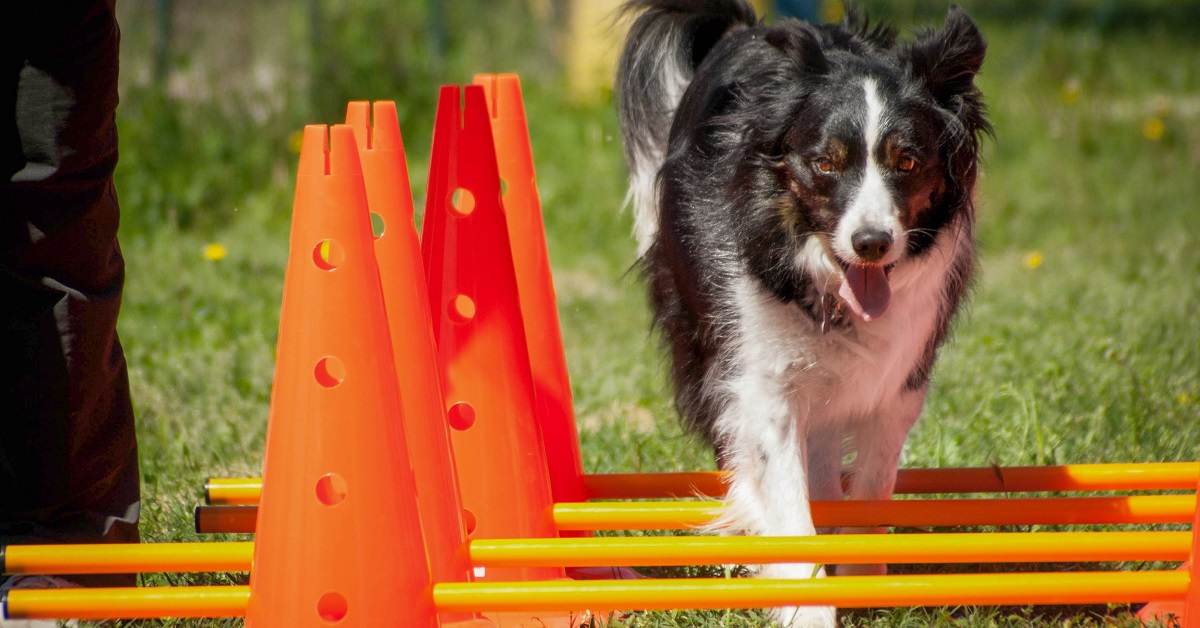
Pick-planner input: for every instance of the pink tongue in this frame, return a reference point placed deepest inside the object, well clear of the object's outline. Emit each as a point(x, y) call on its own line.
point(865, 289)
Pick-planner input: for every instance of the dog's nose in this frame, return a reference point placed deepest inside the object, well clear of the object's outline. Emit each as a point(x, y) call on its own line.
point(871, 244)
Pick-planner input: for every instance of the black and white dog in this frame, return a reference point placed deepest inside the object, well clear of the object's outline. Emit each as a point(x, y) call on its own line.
point(803, 202)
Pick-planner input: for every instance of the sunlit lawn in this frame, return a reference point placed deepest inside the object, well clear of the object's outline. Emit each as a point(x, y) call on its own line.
point(1080, 343)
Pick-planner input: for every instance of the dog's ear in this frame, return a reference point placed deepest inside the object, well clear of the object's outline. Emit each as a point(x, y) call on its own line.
point(800, 42)
point(949, 59)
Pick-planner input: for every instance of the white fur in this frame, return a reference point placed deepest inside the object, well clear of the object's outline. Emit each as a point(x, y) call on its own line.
point(873, 207)
point(794, 395)
point(800, 396)
point(643, 194)
point(798, 393)
point(643, 176)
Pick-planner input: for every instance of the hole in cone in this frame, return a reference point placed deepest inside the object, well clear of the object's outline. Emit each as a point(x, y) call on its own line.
point(469, 520)
point(462, 309)
point(377, 225)
point(330, 371)
point(503, 187)
point(461, 416)
point(328, 254)
point(332, 607)
point(332, 489)
point(462, 202)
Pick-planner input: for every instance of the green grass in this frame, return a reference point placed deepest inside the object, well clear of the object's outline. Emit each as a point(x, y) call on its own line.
point(1089, 355)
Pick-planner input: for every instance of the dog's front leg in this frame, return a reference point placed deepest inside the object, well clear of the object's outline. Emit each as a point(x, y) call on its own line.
point(879, 444)
point(768, 491)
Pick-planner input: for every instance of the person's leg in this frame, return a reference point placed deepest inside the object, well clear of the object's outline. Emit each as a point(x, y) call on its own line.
point(68, 455)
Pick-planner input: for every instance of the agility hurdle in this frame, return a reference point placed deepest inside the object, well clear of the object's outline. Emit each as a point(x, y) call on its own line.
point(496, 548)
point(1059, 478)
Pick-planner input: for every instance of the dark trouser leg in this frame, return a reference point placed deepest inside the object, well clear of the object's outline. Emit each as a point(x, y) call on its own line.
point(68, 456)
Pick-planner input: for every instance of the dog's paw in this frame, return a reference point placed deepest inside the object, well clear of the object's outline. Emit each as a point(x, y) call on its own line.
point(805, 616)
point(799, 616)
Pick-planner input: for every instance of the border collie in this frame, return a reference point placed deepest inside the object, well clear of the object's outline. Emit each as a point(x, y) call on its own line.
point(803, 200)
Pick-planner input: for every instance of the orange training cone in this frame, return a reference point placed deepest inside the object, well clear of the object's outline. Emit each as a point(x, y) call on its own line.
point(406, 297)
point(480, 335)
point(539, 306)
point(339, 539)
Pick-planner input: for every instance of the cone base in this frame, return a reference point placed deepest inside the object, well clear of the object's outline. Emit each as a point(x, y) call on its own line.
point(1161, 612)
point(1164, 610)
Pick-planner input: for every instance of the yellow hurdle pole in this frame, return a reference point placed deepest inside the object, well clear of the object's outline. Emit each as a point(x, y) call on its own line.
point(232, 491)
point(845, 592)
point(663, 551)
point(126, 603)
point(683, 515)
point(603, 595)
point(1037, 547)
point(1062, 478)
point(904, 513)
point(125, 558)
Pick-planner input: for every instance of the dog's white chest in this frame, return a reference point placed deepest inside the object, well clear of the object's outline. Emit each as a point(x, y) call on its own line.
point(847, 373)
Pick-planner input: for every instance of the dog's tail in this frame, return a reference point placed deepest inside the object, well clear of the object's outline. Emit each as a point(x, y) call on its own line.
point(666, 43)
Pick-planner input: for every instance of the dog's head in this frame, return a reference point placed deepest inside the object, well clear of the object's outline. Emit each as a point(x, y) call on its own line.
point(880, 148)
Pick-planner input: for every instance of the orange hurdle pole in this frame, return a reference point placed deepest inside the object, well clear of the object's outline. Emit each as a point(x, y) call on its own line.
point(604, 595)
point(996, 547)
point(225, 519)
point(1063, 478)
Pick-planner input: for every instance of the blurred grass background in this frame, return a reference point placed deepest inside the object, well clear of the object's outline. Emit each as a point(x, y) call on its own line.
point(1080, 343)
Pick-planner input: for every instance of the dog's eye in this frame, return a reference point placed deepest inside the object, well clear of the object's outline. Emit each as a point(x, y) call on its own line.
point(906, 164)
point(823, 165)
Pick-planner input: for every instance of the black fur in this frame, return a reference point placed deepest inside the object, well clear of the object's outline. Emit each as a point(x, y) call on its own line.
point(804, 209)
point(736, 190)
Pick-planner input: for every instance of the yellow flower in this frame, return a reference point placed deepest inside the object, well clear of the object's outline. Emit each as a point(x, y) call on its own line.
point(833, 10)
point(1070, 91)
point(1033, 259)
point(214, 252)
point(1154, 128)
point(1186, 399)
point(296, 141)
